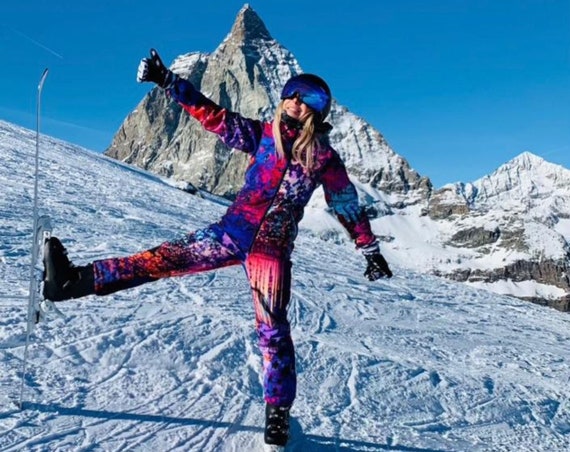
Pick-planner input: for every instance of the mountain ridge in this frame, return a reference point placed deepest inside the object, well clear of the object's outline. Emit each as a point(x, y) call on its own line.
point(245, 73)
point(526, 173)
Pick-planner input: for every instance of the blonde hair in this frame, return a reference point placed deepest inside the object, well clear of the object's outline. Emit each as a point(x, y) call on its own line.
point(306, 144)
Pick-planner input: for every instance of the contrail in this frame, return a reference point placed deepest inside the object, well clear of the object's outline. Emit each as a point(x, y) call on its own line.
point(39, 44)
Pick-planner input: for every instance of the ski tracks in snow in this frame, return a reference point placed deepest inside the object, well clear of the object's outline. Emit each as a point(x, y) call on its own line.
point(414, 363)
point(158, 364)
point(461, 372)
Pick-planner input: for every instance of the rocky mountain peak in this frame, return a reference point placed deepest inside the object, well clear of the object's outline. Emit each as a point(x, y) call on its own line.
point(248, 27)
point(526, 163)
point(527, 160)
point(526, 176)
point(245, 74)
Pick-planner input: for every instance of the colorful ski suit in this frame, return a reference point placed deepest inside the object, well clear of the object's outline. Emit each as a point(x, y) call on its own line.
point(257, 231)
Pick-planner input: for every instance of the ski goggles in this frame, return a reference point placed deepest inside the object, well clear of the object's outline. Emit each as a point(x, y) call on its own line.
point(310, 94)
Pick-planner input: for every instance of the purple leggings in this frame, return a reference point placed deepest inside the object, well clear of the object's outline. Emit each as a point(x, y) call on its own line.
point(269, 278)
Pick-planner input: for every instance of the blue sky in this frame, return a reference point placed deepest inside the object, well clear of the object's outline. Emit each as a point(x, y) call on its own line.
point(457, 87)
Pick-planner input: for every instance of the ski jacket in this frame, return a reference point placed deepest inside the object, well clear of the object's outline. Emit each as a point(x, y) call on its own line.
point(265, 214)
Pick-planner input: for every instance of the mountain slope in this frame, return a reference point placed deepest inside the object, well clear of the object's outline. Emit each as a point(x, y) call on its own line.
point(415, 363)
point(246, 73)
point(510, 231)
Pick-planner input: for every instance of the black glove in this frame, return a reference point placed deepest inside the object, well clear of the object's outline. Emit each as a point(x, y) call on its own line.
point(153, 70)
point(377, 267)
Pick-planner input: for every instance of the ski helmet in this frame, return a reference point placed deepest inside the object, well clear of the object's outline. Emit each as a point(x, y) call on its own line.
point(312, 91)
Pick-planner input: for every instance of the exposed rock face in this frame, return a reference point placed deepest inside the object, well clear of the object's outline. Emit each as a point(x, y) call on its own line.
point(475, 237)
point(245, 74)
point(447, 202)
point(548, 272)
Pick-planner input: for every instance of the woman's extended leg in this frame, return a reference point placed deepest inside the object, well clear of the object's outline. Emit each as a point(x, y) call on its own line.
point(196, 252)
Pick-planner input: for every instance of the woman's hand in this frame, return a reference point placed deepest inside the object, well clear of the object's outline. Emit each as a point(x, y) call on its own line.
point(153, 70)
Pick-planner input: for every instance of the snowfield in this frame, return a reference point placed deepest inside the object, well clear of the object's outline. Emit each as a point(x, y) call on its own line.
point(414, 363)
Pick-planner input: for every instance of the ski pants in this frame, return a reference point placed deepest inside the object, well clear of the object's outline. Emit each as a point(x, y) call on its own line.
point(269, 279)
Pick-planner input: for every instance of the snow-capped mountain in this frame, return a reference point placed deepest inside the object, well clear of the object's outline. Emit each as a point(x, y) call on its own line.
point(511, 230)
point(525, 177)
point(246, 73)
point(411, 364)
point(507, 232)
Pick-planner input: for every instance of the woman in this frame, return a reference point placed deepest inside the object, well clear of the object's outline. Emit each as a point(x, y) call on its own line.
point(289, 158)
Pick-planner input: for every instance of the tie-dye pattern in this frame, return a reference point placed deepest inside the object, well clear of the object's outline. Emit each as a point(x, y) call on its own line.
point(195, 252)
point(270, 181)
point(270, 281)
point(258, 231)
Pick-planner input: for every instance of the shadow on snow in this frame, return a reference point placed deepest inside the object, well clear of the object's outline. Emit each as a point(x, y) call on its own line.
point(299, 441)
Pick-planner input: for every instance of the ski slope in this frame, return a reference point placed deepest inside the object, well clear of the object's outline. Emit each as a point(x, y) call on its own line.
point(415, 363)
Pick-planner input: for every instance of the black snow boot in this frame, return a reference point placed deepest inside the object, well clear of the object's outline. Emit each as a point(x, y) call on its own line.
point(276, 425)
point(63, 280)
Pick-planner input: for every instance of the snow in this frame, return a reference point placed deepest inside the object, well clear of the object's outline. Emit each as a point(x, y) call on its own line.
point(563, 228)
point(521, 289)
point(414, 363)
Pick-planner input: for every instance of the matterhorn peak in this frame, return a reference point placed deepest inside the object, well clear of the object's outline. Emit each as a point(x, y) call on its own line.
point(248, 26)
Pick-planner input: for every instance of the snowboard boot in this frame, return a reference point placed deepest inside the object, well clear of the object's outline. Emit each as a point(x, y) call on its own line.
point(63, 280)
point(276, 425)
